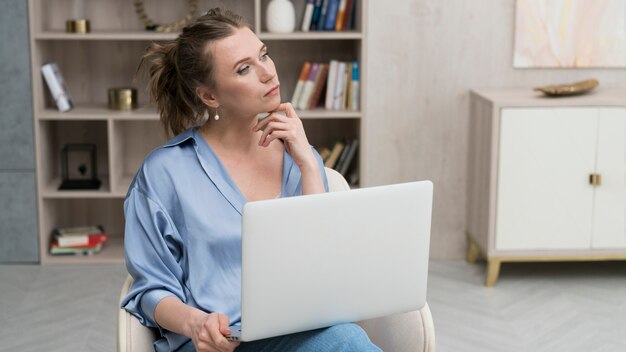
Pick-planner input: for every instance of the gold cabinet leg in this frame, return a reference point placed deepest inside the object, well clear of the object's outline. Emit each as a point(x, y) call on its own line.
point(493, 269)
point(473, 251)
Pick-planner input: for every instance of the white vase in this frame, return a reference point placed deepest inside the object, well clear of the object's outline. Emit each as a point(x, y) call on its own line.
point(280, 16)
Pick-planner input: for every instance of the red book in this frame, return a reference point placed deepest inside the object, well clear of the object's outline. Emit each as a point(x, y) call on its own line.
point(320, 83)
point(347, 14)
point(86, 241)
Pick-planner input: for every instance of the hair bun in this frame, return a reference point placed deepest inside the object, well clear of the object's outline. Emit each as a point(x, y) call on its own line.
point(214, 12)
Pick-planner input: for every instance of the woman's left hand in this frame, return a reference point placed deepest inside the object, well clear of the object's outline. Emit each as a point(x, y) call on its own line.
point(289, 128)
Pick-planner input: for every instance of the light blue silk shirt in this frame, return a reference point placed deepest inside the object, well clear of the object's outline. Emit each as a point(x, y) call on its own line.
point(183, 231)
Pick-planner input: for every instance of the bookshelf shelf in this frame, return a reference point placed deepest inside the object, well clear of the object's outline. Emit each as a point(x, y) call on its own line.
point(97, 112)
point(105, 35)
point(147, 36)
point(107, 57)
point(311, 36)
point(51, 191)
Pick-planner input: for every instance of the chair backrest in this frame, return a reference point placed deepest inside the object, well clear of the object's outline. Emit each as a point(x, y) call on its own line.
point(336, 182)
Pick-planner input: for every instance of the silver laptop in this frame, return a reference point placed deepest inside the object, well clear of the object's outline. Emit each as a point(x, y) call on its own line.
point(318, 260)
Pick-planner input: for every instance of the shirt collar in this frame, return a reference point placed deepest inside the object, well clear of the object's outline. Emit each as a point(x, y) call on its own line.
point(219, 176)
point(180, 138)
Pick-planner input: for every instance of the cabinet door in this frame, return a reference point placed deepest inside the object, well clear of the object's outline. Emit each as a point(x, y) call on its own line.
point(544, 199)
point(609, 223)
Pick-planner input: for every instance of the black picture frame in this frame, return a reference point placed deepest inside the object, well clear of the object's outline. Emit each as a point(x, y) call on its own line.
point(79, 167)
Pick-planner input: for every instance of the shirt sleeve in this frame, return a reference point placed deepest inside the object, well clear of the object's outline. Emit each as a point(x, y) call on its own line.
point(320, 162)
point(153, 251)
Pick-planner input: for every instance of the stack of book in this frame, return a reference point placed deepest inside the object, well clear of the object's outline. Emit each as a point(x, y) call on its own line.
point(85, 240)
point(333, 85)
point(328, 15)
point(341, 157)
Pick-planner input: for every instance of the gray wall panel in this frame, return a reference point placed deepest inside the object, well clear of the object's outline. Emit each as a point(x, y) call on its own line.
point(16, 113)
point(18, 218)
point(19, 240)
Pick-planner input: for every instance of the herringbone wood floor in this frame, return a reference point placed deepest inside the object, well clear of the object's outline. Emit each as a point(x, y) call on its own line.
point(533, 307)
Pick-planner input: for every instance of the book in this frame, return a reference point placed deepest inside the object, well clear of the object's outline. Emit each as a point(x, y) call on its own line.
point(346, 16)
point(340, 15)
point(308, 14)
point(79, 236)
point(307, 89)
point(342, 156)
point(339, 86)
point(331, 15)
point(323, 13)
point(331, 83)
point(345, 167)
point(317, 10)
point(354, 88)
point(324, 153)
point(79, 230)
point(56, 250)
point(304, 74)
point(353, 178)
point(82, 241)
point(318, 87)
point(334, 154)
point(54, 79)
point(347, 83)
point(351, 17)
point(348, 101)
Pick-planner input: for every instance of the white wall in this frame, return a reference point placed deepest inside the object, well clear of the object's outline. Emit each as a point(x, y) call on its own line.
point(423, 57)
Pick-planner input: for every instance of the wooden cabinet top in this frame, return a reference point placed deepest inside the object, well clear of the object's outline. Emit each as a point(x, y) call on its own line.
point(526, 97)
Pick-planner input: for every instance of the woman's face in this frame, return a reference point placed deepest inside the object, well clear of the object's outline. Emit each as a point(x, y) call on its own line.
point(246, 83)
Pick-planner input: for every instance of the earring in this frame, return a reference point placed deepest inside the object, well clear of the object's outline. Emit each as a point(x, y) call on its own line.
point(217, 116)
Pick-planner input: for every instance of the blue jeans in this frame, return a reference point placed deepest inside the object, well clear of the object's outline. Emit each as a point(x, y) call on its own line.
point(338, 338)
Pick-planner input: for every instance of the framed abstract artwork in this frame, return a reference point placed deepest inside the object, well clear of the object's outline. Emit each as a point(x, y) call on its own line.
point(78, 167)
point(570, 33)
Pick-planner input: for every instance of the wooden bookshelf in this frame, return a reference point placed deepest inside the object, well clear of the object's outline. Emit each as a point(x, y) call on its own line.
point(101, 112)
point(107, 57)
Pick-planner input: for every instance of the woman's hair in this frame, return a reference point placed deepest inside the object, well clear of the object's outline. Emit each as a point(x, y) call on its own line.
point(177, 67)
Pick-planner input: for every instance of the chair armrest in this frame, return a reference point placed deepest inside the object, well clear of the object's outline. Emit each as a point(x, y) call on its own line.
point(405, 332)
point(131, 335)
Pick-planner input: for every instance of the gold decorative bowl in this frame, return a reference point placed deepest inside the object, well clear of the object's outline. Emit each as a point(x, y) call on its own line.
point(568, 89)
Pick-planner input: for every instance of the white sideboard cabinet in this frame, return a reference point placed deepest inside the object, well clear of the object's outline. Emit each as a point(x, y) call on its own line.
point(546, 177)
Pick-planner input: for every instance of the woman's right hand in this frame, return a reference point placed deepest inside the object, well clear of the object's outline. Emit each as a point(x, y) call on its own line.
point(208, 331)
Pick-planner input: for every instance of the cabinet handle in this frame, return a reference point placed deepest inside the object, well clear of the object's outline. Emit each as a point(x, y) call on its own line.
point(595, 179)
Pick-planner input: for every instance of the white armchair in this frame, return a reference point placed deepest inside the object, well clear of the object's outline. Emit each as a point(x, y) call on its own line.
point(406, 332)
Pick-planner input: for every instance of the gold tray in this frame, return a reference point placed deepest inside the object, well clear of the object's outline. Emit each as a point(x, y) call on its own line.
point(568, 89)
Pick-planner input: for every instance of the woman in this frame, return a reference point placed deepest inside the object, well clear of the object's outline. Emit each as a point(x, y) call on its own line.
point(183, 209)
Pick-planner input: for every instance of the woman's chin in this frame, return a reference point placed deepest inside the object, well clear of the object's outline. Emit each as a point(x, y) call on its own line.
point(275, 104)
point(270, 106)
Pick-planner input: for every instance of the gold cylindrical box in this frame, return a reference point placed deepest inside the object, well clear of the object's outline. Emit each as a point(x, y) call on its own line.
point(124, 98)
point(77, 26)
